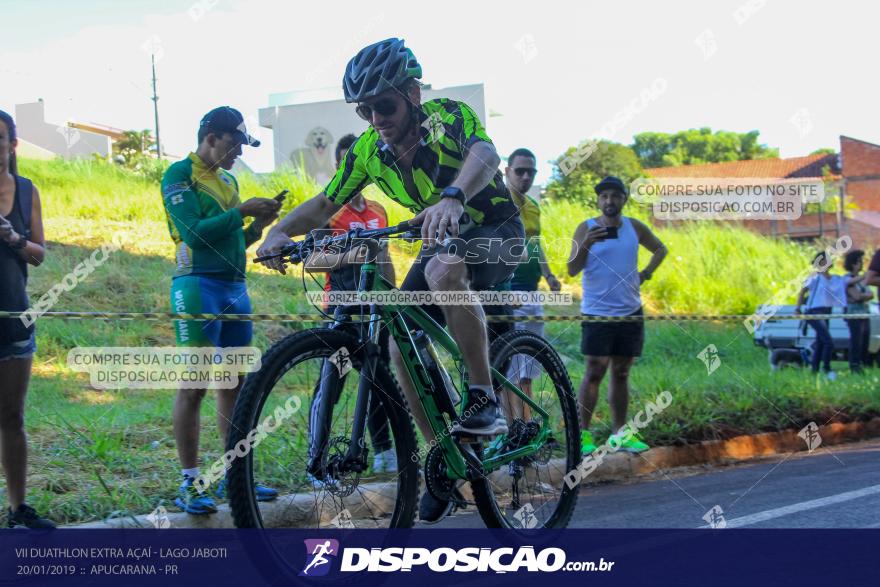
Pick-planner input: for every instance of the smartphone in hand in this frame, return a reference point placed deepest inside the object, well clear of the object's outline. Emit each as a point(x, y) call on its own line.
point(610, 232)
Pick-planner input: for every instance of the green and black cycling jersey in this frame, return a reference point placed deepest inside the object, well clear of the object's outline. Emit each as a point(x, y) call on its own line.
point(448, 130)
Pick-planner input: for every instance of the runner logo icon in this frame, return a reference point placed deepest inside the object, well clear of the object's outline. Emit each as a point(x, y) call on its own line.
point(318, 552)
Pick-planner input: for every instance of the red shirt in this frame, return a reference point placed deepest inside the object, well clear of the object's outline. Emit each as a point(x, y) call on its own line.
point(372, 216)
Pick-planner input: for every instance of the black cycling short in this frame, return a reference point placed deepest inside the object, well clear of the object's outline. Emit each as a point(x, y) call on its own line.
point(613, 339)
point(488, 250)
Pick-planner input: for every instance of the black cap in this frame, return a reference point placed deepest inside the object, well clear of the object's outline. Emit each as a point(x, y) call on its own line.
point(611, 183)
point(228, 119)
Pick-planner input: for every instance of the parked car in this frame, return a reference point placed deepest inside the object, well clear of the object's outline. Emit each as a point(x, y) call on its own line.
point(790, 342)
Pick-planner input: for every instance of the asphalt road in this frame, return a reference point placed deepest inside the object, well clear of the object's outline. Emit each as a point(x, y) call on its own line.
point(832, 487)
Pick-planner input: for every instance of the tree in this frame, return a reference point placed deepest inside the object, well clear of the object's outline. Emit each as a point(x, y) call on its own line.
point(697, 146)
point(580, 168)
point(134, 148)
point(824, 151)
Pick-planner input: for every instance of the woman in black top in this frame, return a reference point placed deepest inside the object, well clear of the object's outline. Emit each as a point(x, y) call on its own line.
point(857, 297)
point(21, 243)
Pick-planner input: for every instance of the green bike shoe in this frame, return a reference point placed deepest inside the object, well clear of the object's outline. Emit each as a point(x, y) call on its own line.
point(587, 444)
point(631, 443)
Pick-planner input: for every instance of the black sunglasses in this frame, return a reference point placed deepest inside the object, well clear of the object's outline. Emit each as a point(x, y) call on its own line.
point(383, 107)
point(520, 171)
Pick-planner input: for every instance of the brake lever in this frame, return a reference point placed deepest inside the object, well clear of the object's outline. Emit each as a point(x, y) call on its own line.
point(285, 251)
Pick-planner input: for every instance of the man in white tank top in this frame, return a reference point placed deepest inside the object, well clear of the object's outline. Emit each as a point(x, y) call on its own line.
point(606, 250)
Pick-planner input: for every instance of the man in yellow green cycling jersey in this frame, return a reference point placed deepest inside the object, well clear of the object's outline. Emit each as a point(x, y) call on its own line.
point(435, 159)
point(206, 221)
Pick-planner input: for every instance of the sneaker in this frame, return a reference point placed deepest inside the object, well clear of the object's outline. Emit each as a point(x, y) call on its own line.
point(193, 501)
point(385, 461)
point(26, 517)
point(432, 510)
point(632, 443)
point(588, 445)
point(263, 493)
point(314, 481)
point(482, 416)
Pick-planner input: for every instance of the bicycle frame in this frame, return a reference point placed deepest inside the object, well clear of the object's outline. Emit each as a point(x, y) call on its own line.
point(401, 320)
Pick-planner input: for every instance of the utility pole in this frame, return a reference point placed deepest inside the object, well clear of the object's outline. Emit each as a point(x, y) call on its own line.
point(155, 99)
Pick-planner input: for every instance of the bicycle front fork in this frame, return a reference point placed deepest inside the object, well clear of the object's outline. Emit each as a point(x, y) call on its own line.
point(328, 394)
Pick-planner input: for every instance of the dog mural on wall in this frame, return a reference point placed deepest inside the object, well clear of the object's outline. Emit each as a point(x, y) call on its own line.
point(317, 156)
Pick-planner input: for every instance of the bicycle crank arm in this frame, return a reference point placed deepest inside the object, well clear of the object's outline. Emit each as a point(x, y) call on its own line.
point(471, 459)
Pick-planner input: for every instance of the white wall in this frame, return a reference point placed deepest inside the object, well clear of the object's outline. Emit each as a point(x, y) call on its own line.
point(30, 122)
point(295, 128)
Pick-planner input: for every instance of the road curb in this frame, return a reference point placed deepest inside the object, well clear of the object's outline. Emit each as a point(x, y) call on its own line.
point(620, 466)
point(615, 467)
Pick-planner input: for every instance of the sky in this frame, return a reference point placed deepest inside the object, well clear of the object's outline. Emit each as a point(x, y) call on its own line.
point(556, 72)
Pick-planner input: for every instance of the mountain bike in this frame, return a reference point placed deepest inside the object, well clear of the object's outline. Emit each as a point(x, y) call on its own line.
point(318, 457)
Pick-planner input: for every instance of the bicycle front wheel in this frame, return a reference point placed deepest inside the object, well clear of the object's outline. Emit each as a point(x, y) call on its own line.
point(377, 492)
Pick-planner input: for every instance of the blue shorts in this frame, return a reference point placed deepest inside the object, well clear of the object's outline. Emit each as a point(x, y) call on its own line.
point(24, 349)
point(195, 294)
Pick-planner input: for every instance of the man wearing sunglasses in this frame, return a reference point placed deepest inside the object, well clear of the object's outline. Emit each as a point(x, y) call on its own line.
point(520, 176)
point(436, 160)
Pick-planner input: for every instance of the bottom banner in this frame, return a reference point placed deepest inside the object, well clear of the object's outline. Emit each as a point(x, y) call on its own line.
point(440, 557)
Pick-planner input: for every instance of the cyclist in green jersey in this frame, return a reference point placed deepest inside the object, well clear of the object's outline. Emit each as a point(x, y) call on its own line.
point(436, 159)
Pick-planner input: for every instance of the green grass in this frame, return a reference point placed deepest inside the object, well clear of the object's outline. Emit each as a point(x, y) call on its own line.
point(96, 453)
point(742, 396)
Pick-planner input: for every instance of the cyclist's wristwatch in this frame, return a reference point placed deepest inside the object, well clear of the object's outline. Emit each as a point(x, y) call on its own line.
point(453, 192)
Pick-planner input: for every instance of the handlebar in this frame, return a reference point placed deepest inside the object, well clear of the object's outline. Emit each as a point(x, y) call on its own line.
point(300, 250)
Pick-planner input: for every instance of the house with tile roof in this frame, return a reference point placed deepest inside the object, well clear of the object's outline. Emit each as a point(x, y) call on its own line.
point(853, 174)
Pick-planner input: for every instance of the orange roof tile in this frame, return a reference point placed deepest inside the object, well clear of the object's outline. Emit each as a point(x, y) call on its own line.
point(809, 166)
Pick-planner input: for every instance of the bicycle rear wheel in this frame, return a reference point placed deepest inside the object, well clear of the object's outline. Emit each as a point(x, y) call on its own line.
point(346, 497)
point(530, 492)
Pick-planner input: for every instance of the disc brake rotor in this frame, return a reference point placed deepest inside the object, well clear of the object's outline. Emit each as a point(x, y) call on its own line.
point(340, 480)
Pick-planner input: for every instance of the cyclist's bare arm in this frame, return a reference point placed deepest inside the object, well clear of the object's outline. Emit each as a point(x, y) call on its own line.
point(309, 215)
point(386, 268)
point(478, 168)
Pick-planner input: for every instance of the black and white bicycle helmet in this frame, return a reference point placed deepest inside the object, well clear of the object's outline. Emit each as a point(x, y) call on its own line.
point(378, 67)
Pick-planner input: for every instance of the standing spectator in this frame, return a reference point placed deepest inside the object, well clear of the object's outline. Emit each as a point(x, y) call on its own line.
point(857, 297)
point(872, 277)
point(606, 249)
point(822, 292)
point(21, 244)
point(519, 176)
point(206, 221)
